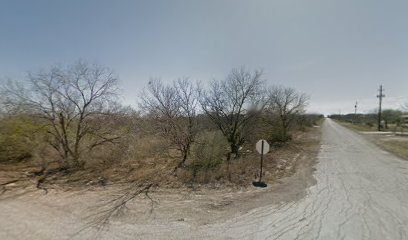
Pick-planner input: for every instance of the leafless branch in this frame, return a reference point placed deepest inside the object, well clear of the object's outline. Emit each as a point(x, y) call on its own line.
point(173, 109)
point(286, 103)
point(232, 103)
point(116, 206)
point(68, 99)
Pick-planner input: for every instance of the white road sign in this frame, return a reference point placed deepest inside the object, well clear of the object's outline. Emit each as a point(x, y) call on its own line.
point(265, 147)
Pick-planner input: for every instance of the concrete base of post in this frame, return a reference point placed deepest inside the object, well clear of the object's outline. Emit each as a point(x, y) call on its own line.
point(259, 184)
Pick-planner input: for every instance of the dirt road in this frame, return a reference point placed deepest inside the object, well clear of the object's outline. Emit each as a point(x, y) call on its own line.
point(361, 193)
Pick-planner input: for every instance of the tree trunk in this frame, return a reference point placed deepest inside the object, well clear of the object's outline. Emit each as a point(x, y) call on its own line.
point(228, 166)
point(184, 152)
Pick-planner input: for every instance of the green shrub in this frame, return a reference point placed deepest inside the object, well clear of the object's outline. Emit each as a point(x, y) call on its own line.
point(16, 139)
point(279, 137)
point(209, 151)
point(370, 124)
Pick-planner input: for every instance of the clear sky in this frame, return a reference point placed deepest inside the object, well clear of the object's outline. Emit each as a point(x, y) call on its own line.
point(337, 51)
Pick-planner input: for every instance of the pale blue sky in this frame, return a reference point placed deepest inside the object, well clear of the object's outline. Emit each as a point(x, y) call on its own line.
point(337, 51)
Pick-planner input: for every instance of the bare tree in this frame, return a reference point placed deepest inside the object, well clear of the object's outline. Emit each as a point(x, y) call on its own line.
point(173, 108)
point(231, 104)
point(286, 103)
point(71, 100)
point(2, 107)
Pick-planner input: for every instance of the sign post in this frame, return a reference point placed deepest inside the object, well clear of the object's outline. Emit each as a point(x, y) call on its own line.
point(262, 147)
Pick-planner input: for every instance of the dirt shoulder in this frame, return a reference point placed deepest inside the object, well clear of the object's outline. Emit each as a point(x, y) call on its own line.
point(393, 142)
point(75, 211)
point(197, 207)
point(397, 145)
point(205, 206)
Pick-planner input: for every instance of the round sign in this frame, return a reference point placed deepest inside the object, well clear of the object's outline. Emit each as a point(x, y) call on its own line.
point(262, 149)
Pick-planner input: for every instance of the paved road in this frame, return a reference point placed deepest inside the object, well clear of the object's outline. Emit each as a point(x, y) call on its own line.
point(361, 193)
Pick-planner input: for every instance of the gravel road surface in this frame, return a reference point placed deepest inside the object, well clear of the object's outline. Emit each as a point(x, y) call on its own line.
point(361, 193)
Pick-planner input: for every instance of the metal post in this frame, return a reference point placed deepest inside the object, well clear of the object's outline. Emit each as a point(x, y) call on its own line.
point(262, 151)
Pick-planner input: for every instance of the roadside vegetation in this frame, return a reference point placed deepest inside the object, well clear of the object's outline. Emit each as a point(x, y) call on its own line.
point(395, 136)
point(397, 146)
point(391, 120)
point(64, 125)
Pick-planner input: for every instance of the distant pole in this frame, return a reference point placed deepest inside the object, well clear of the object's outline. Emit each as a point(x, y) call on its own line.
point(355, 112)
point(380, 97)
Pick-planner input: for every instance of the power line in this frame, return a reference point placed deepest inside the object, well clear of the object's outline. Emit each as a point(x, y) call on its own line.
point(380, 97)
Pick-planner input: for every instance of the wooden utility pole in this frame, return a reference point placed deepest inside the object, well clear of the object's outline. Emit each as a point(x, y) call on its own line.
point(355, 112)
point(380, 97)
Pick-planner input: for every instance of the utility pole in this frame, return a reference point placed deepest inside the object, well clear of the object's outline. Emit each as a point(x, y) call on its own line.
point(355, 112)
point(380, 97)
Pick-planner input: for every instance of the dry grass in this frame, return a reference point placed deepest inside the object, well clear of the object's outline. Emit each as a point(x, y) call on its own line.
point(367, 128)
point(358, 127)
point(281, 161)
point(145, 157)
point(398, 147)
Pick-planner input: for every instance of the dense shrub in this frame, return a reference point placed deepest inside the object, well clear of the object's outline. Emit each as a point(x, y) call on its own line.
point(17, 141)
point(209, 151)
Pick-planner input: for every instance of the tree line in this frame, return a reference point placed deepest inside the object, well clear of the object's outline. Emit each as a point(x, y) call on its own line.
point(74, 110)
point(390, 118)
